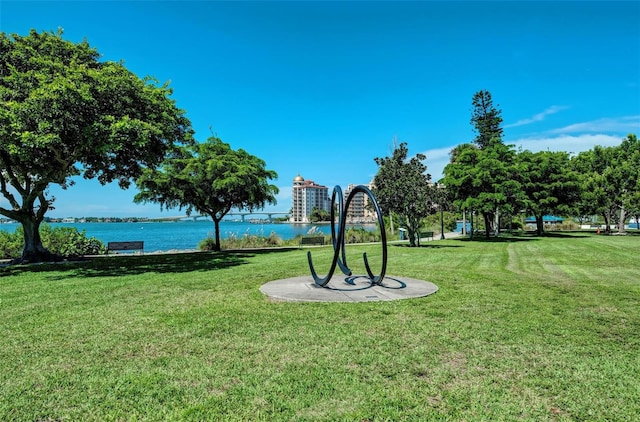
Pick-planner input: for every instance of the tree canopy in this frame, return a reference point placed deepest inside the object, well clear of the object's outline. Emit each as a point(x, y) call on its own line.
point(482, 176)
point(549, 183)
point(65, 113)
point(403, 186)
point(486, 120)
point(210, 178)
point(610, 180)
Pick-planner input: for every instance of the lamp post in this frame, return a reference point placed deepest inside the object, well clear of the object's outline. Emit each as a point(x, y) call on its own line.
point(441, 222)
point(441, 199)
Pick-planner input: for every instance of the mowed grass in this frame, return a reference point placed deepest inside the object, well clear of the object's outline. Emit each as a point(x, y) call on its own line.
point(522, 328)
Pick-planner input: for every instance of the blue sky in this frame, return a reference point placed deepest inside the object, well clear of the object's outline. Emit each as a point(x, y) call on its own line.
point(322, 88)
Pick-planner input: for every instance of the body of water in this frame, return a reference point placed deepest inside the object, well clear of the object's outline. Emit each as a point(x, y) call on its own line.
point(182, 235)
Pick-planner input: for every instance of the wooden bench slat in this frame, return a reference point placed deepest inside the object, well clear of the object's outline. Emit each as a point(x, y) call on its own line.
point(312, 240)
point(135, 245)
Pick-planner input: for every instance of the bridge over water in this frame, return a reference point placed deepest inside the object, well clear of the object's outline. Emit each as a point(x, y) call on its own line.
point(270, 215)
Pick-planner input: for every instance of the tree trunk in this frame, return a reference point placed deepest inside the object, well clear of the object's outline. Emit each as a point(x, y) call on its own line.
point(497, 223)
point(464, 222)
point(411, 232)
point(487, 224)
point(33, 250)
point(607, 222)
point(472, 227)
point(216, 225)
point(621, 222)
point(539, 224)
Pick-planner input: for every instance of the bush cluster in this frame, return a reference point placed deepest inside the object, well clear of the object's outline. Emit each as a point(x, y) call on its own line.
point(66, 242)
point(233, 241)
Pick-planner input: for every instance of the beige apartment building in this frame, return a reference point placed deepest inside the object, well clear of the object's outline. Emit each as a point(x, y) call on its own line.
point(359, 210)
point(308, 195)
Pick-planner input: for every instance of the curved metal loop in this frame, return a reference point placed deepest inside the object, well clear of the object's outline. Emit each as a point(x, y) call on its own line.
point(336, 241)
point(339, 250)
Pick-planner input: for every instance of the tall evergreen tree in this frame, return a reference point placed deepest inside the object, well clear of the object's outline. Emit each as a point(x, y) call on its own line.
point(486, 120)
point(482, 176)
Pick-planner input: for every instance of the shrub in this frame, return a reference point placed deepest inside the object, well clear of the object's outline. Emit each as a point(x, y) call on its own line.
point(361, 235)
point(233, 241)
point(207, 244)
point(66, 242)
point(11, 244)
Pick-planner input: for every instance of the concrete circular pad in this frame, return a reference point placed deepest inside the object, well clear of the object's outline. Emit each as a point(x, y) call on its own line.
point(347, 289)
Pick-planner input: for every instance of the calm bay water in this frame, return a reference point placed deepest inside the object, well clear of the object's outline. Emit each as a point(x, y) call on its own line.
point(181, 235)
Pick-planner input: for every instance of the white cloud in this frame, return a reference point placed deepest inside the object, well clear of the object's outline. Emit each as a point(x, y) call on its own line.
point(538, 117)
point(626, 124)
point(567, 143)
point(437, 159)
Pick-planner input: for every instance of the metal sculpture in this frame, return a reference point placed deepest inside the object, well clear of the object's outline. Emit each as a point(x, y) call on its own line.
point(339, 254)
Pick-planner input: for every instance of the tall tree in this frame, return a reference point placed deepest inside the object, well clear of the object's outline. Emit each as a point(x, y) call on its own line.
point(403, 186)
point(611, 180)
point(210, 178)
point(65, 113)
point(628, 169)
point(549, 184)
point(482, 176)
point(486, 120)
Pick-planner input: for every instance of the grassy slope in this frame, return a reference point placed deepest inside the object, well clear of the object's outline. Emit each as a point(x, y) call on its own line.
point(529, 329)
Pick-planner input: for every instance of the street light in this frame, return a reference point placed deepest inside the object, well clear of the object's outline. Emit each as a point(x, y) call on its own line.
point(441, 223)
point(441, 197)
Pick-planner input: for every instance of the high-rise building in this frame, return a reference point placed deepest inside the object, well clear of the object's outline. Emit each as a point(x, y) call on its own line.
point(359, 210)
point(306, 196)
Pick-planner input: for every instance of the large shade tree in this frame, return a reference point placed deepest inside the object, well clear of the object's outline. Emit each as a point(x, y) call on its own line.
point(210, 178)
point(66, 113)
point(402, 186)
point(628, 178)
point(550, 185)
point(610, 181)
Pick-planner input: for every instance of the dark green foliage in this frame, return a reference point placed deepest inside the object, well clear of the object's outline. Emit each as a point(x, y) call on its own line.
point(65, 242)
point(361, 235)
point(403, 187)
point(486, 120)
point(64, 113)
point(610, 180)
point(319, 215)
point(210, 178)
point(432, 222)
point(549, 184)
point(207, 244)
point(483, 176)
point(11, 244)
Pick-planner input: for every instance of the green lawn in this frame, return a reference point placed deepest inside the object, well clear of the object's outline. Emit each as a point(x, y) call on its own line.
point(521, 329)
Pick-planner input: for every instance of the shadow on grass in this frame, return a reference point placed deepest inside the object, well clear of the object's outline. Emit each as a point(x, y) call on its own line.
point(110, 266)
point(500, 239)
point(565, 235)
point(425, 245)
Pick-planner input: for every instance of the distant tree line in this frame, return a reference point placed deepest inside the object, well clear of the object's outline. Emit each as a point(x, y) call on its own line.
point(498, 182)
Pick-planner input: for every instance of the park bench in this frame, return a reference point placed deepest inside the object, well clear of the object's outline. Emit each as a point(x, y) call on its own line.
point(136, 245)
point(312, 240)
point(426, 235)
